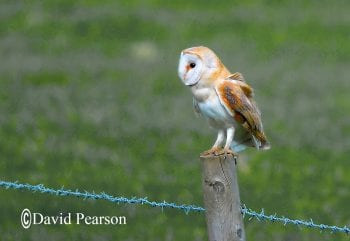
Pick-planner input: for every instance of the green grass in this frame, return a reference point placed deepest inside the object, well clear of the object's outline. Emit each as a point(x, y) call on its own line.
point(90, 99)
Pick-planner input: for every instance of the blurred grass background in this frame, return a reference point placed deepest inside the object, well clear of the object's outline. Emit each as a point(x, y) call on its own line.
point(90, 99)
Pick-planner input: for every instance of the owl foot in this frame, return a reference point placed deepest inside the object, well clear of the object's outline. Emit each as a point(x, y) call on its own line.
point(217, 151)
point(225, 152)
point(211, 152)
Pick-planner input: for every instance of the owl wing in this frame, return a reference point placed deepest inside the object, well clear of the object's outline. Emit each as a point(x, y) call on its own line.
point(243, 110)
point(237, 76)
point(239, 80)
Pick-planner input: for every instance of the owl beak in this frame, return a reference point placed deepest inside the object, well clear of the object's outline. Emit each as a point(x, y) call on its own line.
point(185, 75)
point(187, 69)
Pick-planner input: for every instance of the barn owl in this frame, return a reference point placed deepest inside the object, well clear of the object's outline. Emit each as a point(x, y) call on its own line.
point(224, 99)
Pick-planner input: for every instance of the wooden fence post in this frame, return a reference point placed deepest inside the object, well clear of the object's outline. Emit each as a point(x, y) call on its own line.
point(221, 199)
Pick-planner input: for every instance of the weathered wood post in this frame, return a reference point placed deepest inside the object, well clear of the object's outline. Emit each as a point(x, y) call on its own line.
point(221, 199)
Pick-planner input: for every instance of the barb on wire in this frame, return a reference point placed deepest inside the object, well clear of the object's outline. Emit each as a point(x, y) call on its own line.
point(186, 208)
point(310, 224)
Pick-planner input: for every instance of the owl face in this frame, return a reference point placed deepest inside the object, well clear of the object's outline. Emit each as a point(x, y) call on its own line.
point(200, 67)
point(190, 68)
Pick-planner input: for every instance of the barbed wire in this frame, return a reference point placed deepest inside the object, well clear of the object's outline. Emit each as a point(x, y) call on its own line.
point(310, 224)
point(186, 208)
point(103, 196)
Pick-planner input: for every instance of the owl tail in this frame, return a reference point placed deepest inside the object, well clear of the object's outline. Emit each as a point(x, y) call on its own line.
point(264, 145)
point(253, 142)
point(261, 141)
point(238, 147)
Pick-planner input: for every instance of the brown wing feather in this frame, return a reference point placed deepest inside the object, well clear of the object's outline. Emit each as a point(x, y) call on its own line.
point(242, 109)
point(248, 91)
point(237, 76)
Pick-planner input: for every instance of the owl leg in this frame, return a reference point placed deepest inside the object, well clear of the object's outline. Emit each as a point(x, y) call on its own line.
point(219, 139)
point(229, 137)
point(217, 145)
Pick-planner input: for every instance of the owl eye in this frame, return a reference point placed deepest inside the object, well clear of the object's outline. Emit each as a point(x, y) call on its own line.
point(192, 65)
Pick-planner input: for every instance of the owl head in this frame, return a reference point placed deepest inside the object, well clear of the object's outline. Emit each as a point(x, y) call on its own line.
point(199, 65)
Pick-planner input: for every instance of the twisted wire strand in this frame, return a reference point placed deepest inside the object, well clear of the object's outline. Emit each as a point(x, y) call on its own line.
point(260, 216)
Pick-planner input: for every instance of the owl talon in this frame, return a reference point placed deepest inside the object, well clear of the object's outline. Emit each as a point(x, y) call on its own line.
point(226, 152)
point(211, 152)
point(219, 152)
